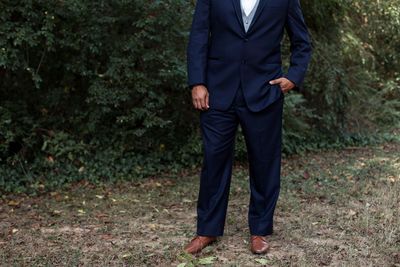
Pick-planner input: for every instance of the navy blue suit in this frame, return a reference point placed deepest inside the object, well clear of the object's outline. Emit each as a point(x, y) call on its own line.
point(236, 67)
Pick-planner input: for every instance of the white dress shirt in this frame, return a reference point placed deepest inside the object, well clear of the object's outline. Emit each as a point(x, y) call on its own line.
point(248, 5)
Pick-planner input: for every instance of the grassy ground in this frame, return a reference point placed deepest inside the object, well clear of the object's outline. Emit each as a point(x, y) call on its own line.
point(335, 208)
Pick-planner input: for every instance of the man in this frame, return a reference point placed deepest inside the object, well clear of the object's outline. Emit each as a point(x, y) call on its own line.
point(236, 76)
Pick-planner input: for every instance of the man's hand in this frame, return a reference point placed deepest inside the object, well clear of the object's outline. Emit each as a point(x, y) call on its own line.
point(285, 84)
point(200, 97)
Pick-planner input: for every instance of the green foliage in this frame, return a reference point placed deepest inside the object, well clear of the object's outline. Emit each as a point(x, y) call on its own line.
point(96, 90)
point(352, 92)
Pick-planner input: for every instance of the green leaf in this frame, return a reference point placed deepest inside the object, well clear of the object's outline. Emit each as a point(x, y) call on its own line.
point(208, 260)
point(262, 261)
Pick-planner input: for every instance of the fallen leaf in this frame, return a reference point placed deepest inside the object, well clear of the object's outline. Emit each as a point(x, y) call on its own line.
point(14, 203)
point(305, 175)
point(262, 261)
point(100, 215)
point(352, 213)
point(56, 212)
point(106, 220)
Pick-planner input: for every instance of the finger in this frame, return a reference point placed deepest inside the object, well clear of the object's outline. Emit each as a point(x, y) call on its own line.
point(199, 106)
point(272, 82)
point(203, 102)
point(276, 81)
point(207, 100)
point(196, 103)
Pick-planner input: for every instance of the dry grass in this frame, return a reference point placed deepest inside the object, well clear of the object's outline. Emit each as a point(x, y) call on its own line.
point(336, 208)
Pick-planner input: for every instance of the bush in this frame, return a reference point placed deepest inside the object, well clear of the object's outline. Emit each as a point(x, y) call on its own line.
point(96, 90)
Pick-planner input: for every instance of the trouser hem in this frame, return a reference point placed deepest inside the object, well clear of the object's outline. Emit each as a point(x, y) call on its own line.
point(262, 233)
point(200, 233)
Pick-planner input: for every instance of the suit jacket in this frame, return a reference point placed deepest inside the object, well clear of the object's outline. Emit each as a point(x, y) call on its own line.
point(222, 55)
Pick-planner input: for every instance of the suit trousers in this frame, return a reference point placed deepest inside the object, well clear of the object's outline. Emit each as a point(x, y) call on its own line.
point(262, 131)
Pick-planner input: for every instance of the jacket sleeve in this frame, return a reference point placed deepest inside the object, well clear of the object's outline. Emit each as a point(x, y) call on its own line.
point(300, 47)
point(197, 48)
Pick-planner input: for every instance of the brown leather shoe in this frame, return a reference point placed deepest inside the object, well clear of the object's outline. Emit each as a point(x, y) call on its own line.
point(259, 244)
point(198, 243)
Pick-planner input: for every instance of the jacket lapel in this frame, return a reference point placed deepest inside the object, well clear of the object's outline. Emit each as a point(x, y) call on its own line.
point(259, 9)
point(238, 11)
point(236, 6)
